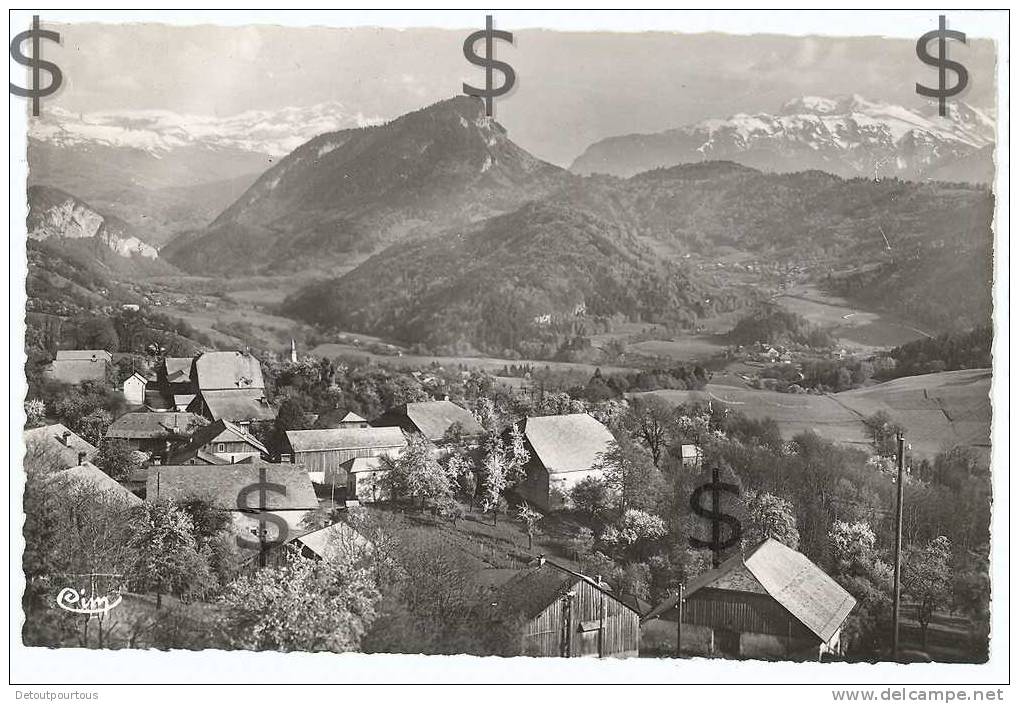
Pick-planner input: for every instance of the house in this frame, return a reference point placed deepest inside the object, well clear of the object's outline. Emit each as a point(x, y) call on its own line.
point(87, 474)
point(65, 447)
point(431, 419)
point(238, 488)
point(567, 614)
point(771, 603)
point(564, 450)
point(228, 386)
point(364, 479)
point(155, 433)
point(221, 440)
point(340, 419)
point(339, 541)
point(134, 389)
point(323, 451)
point(76, 366)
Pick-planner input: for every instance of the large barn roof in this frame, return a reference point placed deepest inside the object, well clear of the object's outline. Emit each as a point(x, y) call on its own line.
point(218, 371)
point(804, 589)
point(344, 439)
point(568, 443)
point(238, 404)
point(434, 418)
point(222, 485)
point(141, 425)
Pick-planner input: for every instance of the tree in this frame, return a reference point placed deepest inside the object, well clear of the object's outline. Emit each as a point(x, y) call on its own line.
point(308, 605)
point(493, 483)
point(590, 495)
point(530, 517)
point(93, 426)
point(417, 475)
point(631, 475)
point(769, 516)
point(882, 431)
point(649, 420)
point(116, 458)
point(35, 413)
point(97, 333)
point(167, 558)
point(635, 533)
point(927, 578)
point(857, 568)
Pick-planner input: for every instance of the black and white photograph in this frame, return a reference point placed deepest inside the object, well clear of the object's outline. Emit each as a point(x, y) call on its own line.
point(512, 335)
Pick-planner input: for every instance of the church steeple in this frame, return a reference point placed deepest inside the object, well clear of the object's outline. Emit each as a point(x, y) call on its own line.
point(293, 350)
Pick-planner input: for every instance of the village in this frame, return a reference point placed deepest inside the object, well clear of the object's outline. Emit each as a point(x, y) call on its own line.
point(552, 517)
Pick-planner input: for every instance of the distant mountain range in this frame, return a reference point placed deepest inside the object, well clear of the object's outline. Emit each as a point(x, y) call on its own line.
point(847, 136)
point(349, 192)
point(166, 173)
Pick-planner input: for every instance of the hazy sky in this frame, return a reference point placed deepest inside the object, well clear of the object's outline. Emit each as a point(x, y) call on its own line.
point(572, 88)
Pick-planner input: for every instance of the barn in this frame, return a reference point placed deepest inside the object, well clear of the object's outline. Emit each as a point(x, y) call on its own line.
point(771, 603)
point(564, 450)
point(431, 419)
point(323, 452)
point(567, 614)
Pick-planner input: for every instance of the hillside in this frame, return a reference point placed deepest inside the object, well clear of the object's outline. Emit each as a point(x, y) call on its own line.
point(89, 236)
point(522, 283)
point(936, 409)
point(848, 136)
point(351, 191)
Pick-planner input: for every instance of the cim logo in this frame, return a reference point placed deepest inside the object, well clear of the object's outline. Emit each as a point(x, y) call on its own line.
point(78, 601)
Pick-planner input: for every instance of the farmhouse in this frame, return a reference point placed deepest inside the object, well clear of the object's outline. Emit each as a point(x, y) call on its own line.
point(134, 389)
point(323, 451)
point(154, 433)
point(221, 439)
point(228, 386)
point(567, 614)
point(364, 479)
point(564, 450)
point(76, 366)
point(772, 603)
point(229, 487)
point(65, 447)
point(431, 419)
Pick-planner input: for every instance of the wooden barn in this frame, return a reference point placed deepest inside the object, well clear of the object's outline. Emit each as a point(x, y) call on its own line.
point(567, 614)
point(771, 604)
point(564, 450)
point(323, 452)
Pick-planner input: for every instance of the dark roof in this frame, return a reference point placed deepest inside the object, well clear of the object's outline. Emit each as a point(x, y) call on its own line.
point(238, 405)
point(178, 369)
point(344, 439)
point(567, 443)
point(216, 431)
point(51, 437)
point(222, 484)
point(535, 588)
point(790, 578)
point(141, 425)
point(155, 401)
point(434, 418)
point(217, 371)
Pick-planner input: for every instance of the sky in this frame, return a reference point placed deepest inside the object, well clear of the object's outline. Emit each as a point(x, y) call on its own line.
point(572, 89)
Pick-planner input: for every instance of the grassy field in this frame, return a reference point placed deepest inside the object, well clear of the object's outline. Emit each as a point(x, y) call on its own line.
point(855, 328)
point(936, 409)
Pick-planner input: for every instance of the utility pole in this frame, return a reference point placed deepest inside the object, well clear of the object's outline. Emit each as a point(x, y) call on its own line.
point(897, 588)
point(679, 621)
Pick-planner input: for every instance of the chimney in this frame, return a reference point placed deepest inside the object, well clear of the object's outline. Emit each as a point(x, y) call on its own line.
point(64, 437)
point(81, 458)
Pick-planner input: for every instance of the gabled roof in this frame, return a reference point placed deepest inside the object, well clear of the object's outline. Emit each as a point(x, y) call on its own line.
point(222, 485)
point(88, 473)
point(352, 418)
point(59, 439)
point(319, 541)
point(801, 587)
point(535, 588)
point(216, 431)
point(568, 443)
point(344, 439)
point(218, 371)
point(142, 425)
point(84, 355)
point(434, 418)
point(357, 465)
point(238, 405)
point(336, 418)
point(137, 376)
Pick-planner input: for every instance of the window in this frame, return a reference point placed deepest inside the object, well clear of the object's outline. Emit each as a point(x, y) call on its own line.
point(221, 447)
